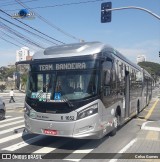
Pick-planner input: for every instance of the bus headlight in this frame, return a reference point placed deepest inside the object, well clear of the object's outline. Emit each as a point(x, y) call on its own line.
point(87, 112)
point(32, 114)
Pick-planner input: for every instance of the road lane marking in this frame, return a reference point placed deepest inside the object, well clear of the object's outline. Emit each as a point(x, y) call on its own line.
point(52, 147)
point(81, 151)
point(7, 120)
point(11, 129)
point(144, 127)
point(12, 123)
point(9, 138)
point(124, 149)
point(8, 116)
point(24, 143)
point(45, 150)
point(151, 110)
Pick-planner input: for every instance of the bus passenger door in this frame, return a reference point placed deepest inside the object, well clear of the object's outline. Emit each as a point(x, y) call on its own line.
point(127, 93)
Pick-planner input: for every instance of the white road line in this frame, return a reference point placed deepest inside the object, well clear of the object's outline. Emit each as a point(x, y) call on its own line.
point(9, 138)
point(45, 150)
point(11, 129)
point(8, 116)
point(7, 120)
point(24, 143)
point(12, 123)
point(50, 148)
point(82, 150)
point(124, 149)
point(144, 127)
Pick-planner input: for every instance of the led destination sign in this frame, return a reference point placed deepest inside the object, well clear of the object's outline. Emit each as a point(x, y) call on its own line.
point(64, 66)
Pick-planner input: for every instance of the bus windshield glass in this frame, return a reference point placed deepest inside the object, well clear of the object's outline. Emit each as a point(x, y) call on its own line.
point(57, 86)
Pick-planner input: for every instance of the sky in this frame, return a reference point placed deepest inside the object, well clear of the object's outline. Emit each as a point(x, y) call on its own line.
point(132, 32)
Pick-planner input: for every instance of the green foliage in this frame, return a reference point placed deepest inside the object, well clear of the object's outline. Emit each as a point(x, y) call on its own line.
point(152, 67)
point(6, 72)
point(2, 87)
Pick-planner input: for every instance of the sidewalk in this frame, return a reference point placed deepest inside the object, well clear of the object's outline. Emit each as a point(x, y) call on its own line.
point(146, 146)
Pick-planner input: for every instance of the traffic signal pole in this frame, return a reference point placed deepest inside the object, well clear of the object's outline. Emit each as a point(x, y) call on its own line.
point(134, 7)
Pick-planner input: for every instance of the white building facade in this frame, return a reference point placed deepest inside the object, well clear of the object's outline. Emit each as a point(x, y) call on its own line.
point(141, 58)
point(22, 54)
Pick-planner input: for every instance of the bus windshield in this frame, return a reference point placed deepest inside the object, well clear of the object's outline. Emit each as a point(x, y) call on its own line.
point(57, 86)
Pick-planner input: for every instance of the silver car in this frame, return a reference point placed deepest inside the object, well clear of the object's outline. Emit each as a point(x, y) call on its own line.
point(2, 109)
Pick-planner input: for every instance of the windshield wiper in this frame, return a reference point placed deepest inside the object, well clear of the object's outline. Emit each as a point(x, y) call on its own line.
point(65, 99)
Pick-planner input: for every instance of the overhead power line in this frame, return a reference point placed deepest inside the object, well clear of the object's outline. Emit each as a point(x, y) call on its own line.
point(47, 22)
point(21, 36)
point(61, 5)
point(14, 3)
point(9, 41)
point(32, 27)
point(5, 34)
point(27, 30)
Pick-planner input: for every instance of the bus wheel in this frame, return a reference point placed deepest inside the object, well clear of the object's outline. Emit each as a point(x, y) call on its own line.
point(115, 124)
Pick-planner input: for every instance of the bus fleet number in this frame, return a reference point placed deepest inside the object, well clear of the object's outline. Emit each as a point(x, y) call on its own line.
point(67, 117)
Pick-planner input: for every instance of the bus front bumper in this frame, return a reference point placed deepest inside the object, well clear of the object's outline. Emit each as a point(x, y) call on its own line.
point(87, 128)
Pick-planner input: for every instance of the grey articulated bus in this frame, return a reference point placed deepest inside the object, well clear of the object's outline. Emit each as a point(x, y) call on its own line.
point(83, 90)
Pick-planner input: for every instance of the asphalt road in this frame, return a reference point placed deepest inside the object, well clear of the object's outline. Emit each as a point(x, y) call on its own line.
point(74, 149)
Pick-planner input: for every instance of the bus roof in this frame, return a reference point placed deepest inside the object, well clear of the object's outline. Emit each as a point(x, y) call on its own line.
point(70, 50)
point(79, 49)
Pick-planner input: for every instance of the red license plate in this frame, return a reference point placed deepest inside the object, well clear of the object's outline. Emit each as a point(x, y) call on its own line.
point(50, 132)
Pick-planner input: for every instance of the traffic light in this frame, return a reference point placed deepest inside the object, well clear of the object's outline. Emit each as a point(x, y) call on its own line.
point(106, 15)
point(159, 53)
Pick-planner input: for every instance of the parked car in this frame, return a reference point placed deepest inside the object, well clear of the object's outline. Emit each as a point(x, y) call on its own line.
point(2, 109)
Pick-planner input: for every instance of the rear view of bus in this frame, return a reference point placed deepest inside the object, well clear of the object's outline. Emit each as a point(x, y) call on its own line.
point(63, 92)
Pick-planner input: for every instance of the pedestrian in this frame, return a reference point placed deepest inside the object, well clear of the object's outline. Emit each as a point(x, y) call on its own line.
point(11, 95)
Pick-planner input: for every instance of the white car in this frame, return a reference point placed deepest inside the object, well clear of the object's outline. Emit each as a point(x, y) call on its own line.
point(2, 109)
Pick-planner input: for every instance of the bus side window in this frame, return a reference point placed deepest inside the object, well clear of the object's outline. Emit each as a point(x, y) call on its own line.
point(107, 77)
point(107, 66)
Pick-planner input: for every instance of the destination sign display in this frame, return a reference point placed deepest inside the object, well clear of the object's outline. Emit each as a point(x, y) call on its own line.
point(64, 66)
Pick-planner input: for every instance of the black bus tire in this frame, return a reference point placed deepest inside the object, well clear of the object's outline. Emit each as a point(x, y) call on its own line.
point(115, 125)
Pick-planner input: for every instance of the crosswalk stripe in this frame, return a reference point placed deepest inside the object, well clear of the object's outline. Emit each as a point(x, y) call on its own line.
point(11, 129)
point(12, 123)
point(50, 148)
point(24, 143)
point(45, 150)
point(9, 138)
point(8, 116)
point(82, 150)
point(7, 120)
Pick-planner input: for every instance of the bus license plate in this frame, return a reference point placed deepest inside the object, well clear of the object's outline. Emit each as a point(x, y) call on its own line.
point(50, 132)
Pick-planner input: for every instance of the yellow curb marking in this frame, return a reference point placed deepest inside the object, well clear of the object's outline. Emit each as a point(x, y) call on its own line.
point(151, 110)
